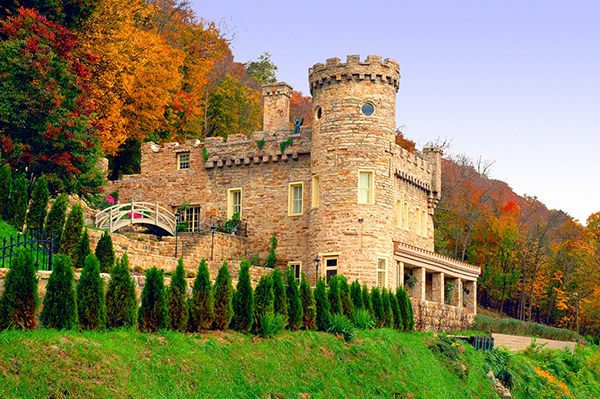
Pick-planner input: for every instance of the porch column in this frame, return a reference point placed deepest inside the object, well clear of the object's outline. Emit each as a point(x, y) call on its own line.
point(437, 287)
point(419, 288)
point(458, 293)
point(471, 288)
point(400, 274)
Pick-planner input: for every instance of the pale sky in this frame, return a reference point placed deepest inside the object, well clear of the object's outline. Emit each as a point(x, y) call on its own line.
point(515, 82)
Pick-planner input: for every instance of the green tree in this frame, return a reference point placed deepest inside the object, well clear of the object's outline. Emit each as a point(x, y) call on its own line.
point(17, 207)
point(153, 314)
point(405, 308)
point(39, 203)
point(59, 310)
point(356, 295)
point(397, 316)
point(263, 70)
point(6, 184)
point(368, 305)
point(178, 310)
point(46, 105)
point(271, 258)
point(91, 306)
point(56, 219)
point(293, 300)
point(243, 300)
point(387, 308)
point(333, 295)
point(223, 298)
point(309, 310)
point(322, 305)
point(68, 13)
point(264, 298)
point(410, 323)
point(279, 297)
point(347, 305)
point(72, 232)
point(19, 300)
point(378, 310)
point(121, 301)
point(83, 250)
point(105, 252)
point(201, 303)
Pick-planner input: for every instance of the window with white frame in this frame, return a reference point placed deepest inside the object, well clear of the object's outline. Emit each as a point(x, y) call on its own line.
point(183, 160)
point(315, 191)
point(297, 267)
point(365, 187)
point(234, 202)
point(381, 272)
point(295, 199)
point(190, 216)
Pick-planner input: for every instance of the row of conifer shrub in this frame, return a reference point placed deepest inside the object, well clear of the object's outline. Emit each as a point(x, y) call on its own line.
point(276, 300)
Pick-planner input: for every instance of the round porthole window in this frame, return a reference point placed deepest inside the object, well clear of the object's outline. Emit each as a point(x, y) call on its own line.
point(368, 109)
point(318, 112)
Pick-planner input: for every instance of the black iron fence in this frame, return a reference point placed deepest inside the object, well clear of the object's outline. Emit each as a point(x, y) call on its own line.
point(40, 243)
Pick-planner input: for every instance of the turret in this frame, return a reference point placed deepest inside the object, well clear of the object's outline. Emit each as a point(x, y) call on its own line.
point(276, 106)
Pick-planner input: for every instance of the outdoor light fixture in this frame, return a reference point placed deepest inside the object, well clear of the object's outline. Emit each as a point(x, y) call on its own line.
point(213, 228)
point(317, 261)
point(177, 214)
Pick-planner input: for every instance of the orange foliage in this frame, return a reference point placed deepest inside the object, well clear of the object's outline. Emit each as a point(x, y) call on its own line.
point(301, 107)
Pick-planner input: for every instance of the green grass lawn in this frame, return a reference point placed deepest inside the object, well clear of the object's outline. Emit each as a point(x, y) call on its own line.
point(6, 230)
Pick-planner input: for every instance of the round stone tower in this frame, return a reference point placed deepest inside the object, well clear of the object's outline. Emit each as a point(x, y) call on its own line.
point(353, 132)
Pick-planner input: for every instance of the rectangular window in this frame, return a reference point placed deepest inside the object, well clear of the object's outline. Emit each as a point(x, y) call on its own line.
point(331, 267)
point(381, 272)
point(424, 223)
point(191, 216)
point(295, 199)
point(418, 215)
point(234, 202)
point(315, 191)
point(365, 187)
point(405, 217)
point(183, 161)
point(297, 266)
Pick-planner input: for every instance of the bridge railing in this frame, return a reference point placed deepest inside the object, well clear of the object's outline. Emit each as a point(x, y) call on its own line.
point(134, 212)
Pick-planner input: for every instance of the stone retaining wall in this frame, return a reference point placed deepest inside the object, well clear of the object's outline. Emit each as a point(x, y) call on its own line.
point(433, 316)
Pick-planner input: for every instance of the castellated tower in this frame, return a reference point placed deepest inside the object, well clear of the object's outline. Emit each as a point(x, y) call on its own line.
point(351, 164)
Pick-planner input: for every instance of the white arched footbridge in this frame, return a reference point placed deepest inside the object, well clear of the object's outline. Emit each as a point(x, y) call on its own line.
point(153, 216)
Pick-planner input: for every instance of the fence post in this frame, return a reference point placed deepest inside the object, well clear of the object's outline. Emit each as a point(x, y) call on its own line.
point(51, 250)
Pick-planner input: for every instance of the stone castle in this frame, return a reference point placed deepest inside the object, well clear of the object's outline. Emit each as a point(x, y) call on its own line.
point(340, 196)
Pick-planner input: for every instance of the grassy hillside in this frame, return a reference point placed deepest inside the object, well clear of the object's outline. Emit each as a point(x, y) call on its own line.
point(6, 230)
point(378, 364)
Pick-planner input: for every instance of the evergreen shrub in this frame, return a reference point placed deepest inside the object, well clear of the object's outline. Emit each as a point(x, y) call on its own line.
point(105, 252)
point(153, 314)
point(293, 300)
point(177, 305)
point(55, 222)
point(367, 299)
point(243, 300)
point(72, 232)
point(356, 295)
point(347, 305)
point(396, 315)
point(201, 304)
point(223, 298)
point(19, 300)
point(309, 310)
point(378, 310)
point(322, 306)
point(6, 184)
point(59, 310)
point(91, 307)
point(39, 203)
point(17, 206)
point(121, 301)
point(333, 295)
point(82, 250)
point(279, 297)
point(263, 300)
point(387, 308)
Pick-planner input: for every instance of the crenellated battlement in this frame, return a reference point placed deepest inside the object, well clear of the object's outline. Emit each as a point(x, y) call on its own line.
point(372, 70)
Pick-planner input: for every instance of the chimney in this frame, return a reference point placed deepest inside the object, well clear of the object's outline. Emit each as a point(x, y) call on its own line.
point(276, 106)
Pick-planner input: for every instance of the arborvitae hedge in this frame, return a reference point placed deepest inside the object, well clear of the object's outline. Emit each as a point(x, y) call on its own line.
point(83, 250)
point(263, 299)
point(19, 300)
point(6, 184)
point(60, 307)
point(398, 322)
point(178, 310)
point(39, 203)
point(347, 305)
point(333, 295)
point(378, 311)
point(105, 252)
point(405, 308)
point(279, 297)
point(201, 307)
point(91, 307)
point(121, 301)
point(72, 232)
point(223, 298)
point(153, 314)
point(55, 222)
point(17, 207)
point(367, 299)
point(387, 308)
point(309, 310)
point(293, 300)
point(322, 305)
point(410, 324)
point(243, 300)
point(356, 295)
